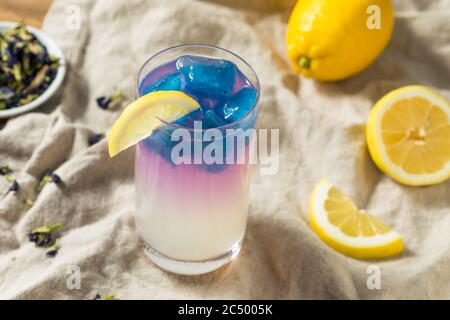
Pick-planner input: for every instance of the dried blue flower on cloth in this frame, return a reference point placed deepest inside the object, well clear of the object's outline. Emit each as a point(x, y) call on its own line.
point(106, 102)
point(111, 296)
point(52, 251)
point(26, 68)
point(43, 236)
point(95, 138)
point(48, 177)
point(5, 171)
point(55, 178)
point(14, 186)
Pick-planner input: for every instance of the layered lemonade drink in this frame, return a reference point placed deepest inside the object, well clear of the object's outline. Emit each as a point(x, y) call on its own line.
point(192, 215)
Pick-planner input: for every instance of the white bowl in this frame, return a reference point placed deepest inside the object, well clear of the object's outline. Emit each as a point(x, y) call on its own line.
point(53, 50)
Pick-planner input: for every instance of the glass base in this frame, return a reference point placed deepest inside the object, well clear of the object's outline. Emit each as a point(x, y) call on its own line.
point(191, 267)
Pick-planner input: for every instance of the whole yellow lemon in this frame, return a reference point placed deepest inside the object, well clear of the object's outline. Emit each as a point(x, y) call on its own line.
point(334, 39)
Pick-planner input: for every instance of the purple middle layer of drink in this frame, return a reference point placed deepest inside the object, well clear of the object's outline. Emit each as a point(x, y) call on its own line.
point(196, 212)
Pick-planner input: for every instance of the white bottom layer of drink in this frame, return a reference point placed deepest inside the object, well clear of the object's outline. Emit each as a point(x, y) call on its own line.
point(187, 213)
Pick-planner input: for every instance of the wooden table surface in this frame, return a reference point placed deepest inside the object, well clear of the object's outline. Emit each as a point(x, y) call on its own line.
point(31, 12)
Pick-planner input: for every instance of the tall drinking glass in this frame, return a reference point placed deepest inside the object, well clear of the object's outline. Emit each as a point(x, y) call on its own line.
point(192, 215)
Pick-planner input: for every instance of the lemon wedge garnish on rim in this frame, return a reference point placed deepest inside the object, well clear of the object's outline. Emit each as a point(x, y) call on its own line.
point(140, 118)
point(350, 231)
point(408, 135)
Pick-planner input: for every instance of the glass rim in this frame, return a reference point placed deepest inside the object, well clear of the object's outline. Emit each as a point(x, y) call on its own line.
point(194, 45)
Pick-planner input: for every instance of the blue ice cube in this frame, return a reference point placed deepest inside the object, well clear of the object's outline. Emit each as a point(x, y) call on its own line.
point(161, 143)
point(239, 104)
point(213, 77)
point(174, 81)
point(211, 120)
point(188, 119)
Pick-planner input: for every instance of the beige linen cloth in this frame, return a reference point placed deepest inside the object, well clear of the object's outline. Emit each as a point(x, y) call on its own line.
point(322, 135)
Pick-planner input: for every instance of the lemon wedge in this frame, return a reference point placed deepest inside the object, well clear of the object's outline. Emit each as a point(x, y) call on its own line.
point(348, 230)
point(140, 118)
point(408, 135)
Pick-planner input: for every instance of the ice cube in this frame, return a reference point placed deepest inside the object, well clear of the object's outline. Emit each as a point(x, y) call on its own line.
point(160, 142)
point(211, 120)
point(173, 81)
point(161, 139)
point(213, 77)
point(239, 104)
point(188, 120)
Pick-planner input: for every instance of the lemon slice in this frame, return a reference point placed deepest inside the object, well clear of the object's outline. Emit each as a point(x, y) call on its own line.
point(144, 115)
point(348, 230)
point(408, 135)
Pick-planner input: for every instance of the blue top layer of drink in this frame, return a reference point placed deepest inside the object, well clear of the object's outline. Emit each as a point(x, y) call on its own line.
point(226, 97)
point(224, 93)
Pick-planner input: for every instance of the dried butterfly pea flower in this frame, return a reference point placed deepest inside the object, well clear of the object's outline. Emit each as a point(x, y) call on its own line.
point(28, 98)
point(6, 93)
point(111, 296)
point(43, 236)
point(5, 170)
point(55, 178)
point(14, 186)
point(52, 251)
point(95, 138)
point(48, 177)
point(26, 68)
point(106, 102)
